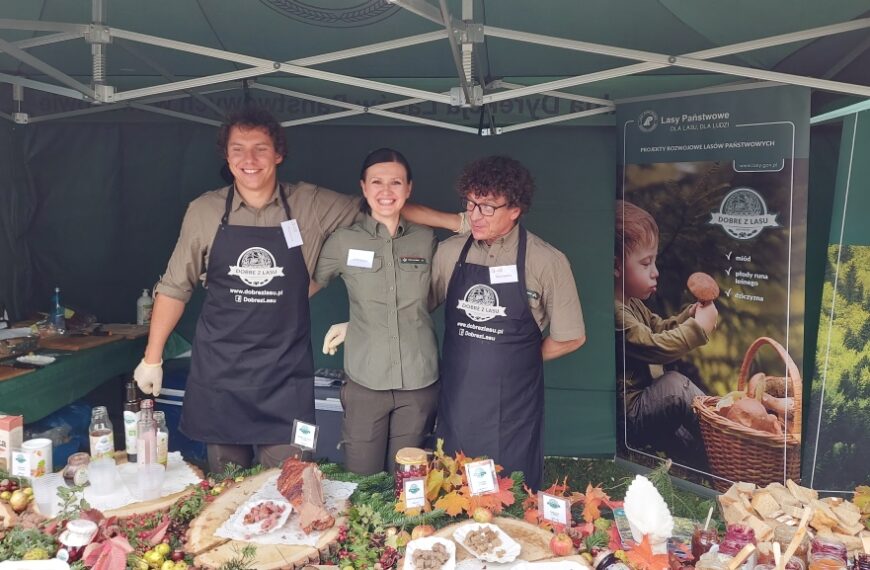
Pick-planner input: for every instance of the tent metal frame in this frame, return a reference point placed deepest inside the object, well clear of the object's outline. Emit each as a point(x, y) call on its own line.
point(463, 36)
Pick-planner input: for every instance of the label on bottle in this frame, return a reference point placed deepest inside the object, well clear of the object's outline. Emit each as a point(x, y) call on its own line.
point(143, 312)
point(131, 420)
point(146, 446)
point(102, 445)
point(162, 447)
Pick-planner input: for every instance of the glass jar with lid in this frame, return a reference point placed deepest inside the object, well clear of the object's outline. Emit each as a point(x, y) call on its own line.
point(712, 561)
point(783, 534)
point(411, 463)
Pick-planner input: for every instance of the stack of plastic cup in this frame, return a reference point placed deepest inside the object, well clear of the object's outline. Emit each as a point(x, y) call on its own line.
point(45, 493)
point(104, 477)
point(149, 481)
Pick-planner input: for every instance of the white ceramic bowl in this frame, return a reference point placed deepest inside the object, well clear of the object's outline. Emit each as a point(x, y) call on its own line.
point(426, 543)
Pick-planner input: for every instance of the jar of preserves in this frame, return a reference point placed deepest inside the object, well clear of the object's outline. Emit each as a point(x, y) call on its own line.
point(824, 547)
point(783, 534)
point(703, 540)
point(411, 463)
point(826, 562)
point(712, 561)
point(736, 537)
point(76, 470)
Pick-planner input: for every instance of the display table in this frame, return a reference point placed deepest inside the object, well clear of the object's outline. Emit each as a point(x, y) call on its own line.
point(73, 375)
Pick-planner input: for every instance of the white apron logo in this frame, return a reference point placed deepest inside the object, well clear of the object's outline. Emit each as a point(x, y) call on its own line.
point(743, 214)
point(481, 303)
point(256, 267)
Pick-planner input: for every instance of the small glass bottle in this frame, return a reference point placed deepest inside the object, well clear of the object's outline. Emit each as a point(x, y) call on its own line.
point(146, 438)
point(162, 438)
point(411, 462)
point(131, 420)
point(101, 434)
point(58, 319)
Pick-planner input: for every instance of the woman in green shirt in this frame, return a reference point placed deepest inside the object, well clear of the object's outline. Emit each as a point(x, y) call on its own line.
point(391, 354)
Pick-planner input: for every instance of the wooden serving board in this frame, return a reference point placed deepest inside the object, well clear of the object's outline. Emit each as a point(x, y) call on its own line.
point(8, 372)
point(211, 551)
point(126, 330)
point(76, 342)
point(535, 541)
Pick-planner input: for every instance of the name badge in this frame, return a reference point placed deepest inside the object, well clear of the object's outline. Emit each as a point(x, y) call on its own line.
point(554, 509)
point(292, 235)
point(503, 274)
point(415, 493)
point(360, 258)
point(304, 435)
point(481, 477)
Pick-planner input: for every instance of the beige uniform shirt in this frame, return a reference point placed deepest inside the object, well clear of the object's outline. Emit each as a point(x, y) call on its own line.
point(318, 212)
point(645, 342)
point(390, 343)
point(550, 285)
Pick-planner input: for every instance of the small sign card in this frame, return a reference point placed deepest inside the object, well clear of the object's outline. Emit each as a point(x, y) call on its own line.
point(415, 493)
point(292, 235)
point(481, 477)
point(304, 435)
point(503, 274)
point(554, 509)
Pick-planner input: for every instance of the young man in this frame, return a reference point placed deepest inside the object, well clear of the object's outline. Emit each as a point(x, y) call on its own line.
point(503, 286)
point(251, 368)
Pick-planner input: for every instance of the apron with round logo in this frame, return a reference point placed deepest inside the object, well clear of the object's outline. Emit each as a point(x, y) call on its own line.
point(492, 373)
point(252, 369)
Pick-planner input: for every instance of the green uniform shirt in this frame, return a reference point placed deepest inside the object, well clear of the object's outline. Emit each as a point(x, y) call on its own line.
point(390, 343)
point(645, 342)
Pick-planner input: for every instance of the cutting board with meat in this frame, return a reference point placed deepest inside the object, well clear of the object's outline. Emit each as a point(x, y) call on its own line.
point(300, 483)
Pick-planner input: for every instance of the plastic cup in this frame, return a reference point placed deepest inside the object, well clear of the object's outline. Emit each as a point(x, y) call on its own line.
point(149, 481)
point(45, 493)
point(103, 475)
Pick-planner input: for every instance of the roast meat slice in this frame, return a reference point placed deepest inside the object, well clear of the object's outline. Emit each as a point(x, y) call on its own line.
point(301, 483)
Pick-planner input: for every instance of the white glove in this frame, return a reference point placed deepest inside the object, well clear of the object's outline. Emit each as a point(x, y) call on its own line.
point(149, 377)
point(334, 337)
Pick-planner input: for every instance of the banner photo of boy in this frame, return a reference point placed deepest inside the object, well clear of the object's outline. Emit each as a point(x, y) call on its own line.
point(709, 263)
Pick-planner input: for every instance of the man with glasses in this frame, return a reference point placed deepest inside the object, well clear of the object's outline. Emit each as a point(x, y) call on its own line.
point(503, 287)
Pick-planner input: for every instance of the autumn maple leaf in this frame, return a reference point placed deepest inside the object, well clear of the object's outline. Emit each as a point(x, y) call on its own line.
point(434, 480)
point(452, 503)
point(495, 502)
point(642, 557)
point(592, 500)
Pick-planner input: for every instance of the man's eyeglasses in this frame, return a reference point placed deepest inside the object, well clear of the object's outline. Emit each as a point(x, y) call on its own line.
point(485, 209)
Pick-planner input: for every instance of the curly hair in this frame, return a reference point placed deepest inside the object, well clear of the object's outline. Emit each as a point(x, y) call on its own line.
point(498, 176)
point(635, 228)
point(252, 117)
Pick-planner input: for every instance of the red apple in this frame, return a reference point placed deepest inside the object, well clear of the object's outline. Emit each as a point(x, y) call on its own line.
point(561, 544)
point(422, 530)
point(482, 515)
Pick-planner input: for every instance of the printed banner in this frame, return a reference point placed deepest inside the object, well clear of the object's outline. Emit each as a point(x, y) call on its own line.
point(709, 283)
point(837, 458)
